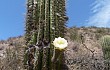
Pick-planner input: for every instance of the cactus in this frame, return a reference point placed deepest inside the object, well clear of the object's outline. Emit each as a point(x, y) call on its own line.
point(45, 20)
point(105, 42)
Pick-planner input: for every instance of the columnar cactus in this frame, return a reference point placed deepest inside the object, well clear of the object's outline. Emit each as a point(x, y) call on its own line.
point(45, 20)
point(105, 42)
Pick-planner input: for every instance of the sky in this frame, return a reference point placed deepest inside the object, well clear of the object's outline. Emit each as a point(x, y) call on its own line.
point(12, 18)
point(80, 13)
point(88, 13)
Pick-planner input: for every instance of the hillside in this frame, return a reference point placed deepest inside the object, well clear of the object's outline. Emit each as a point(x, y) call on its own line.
point(12, 53)
point(84, 51)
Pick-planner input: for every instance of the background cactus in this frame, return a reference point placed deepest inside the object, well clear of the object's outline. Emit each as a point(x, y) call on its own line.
point(105, 42)
point(45, 20)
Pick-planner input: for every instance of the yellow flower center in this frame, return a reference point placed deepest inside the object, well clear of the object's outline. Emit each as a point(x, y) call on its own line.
point(60, 42)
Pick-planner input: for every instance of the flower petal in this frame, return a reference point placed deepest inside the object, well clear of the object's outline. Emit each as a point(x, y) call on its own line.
point(60, 43)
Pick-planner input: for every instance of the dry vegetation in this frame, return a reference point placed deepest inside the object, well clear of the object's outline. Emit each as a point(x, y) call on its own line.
point(84, 51)
point(12, 52)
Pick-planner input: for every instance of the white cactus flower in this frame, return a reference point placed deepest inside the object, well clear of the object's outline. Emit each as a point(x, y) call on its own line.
point(60, 43)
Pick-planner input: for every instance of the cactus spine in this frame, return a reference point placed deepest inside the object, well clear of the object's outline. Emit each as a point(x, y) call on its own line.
point(45, 20)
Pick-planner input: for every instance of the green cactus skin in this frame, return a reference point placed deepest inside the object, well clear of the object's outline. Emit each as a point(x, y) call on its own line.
point(45, 20)
point(105, 42)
